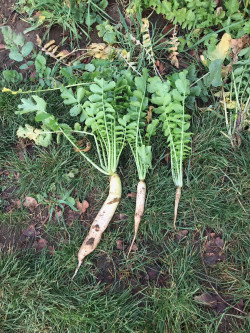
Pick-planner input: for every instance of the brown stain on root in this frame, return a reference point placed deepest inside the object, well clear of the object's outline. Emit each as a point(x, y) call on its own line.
point(113, 201)
point(96, 227)
point(90, 241)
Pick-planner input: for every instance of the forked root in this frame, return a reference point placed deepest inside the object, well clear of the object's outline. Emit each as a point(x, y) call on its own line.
point(139, 209)
point(101, 221)
point(176, 204)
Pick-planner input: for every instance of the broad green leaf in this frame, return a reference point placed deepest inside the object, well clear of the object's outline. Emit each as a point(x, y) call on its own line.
point(215, 72)
point(27, 48)
point(16, 55)
point(232, 6)
point(68, 96)
point(75, 110)
point(29, 106)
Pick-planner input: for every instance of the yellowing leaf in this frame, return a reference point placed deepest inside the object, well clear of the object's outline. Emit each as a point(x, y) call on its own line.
point(221, 49)
point(41, 19)
point(100, 50)
point(230, 104)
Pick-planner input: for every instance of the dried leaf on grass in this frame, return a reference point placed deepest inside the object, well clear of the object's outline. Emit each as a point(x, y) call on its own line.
point(119, 244)
point(82, 206)
point(217, 303)
point(41, 244)
point(180, 235)
point(237, 45)
point(214, 250)
point(51, 48)
point(146, 40)
point(100, 50)
point(161, 67)
point(30, 231)
point(30, 203)
point(174, 49)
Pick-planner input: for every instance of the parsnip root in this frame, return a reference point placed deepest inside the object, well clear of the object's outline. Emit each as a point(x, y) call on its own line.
point(139, 208)
point(177, 199)
point(101, 221)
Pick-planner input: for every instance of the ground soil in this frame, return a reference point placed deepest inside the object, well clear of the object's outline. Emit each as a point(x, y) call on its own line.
point(9, 16)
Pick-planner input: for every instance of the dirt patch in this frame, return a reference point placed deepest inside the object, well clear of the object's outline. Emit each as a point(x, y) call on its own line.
point(8, 16)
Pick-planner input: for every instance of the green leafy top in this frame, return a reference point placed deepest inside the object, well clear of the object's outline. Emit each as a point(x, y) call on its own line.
point(175, 122)
point(138, 136)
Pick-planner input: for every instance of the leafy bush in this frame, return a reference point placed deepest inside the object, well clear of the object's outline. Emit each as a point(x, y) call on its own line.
point(70, 14)
point(196, 14)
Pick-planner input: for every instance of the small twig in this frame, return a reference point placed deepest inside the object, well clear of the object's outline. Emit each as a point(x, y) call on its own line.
point(216, 292)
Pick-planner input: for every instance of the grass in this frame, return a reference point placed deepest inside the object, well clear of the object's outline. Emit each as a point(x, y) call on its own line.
point(37, 293)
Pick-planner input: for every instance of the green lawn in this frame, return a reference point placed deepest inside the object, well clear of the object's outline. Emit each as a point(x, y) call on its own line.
point(154, 289)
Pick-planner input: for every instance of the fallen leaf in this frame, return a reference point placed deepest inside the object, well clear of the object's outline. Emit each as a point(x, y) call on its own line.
point(180, 235)
point(207, 299)
point(221, 49)
point(123, 217)
point(2, 47)
point(80, 143)
point(134, 247)
point(51, 250)
point(132, 195)
point(30, 231)
point(82, 207)
point(237, 45)
point(160, 66)
point(41, 244)
point(150, 112)
point(174, 49)
point(214, 250)
point(30, 203)
point(119, 244)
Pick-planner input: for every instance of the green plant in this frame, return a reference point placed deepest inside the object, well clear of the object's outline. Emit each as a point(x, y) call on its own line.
point(170, 96)
point(71, 14)
point(19, 49)
point(236, 103)
point(102, 112)
point(107, 32)
point(198, 15)
point(138, 137)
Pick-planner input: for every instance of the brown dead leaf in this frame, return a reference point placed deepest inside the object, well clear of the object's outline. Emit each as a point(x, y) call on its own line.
point(119, 244)
point(161, 67)
point(134, 247)
point(207, 299)
point(80, 144)
point(237, 45)
point(214, 250)
point(30, 203)
point(132, 195)
point(150, 112)
point(30, 231)
point(82, 207)
point(41, 244)
point(123, 217)
point(51, 250)
point(2, 46)
point(38, 41)
point(180, 235)
point(174, 49)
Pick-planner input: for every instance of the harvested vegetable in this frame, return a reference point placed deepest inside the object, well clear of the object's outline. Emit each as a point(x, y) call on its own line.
point(175, 123)
point(138, 136)
point(102, 113)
